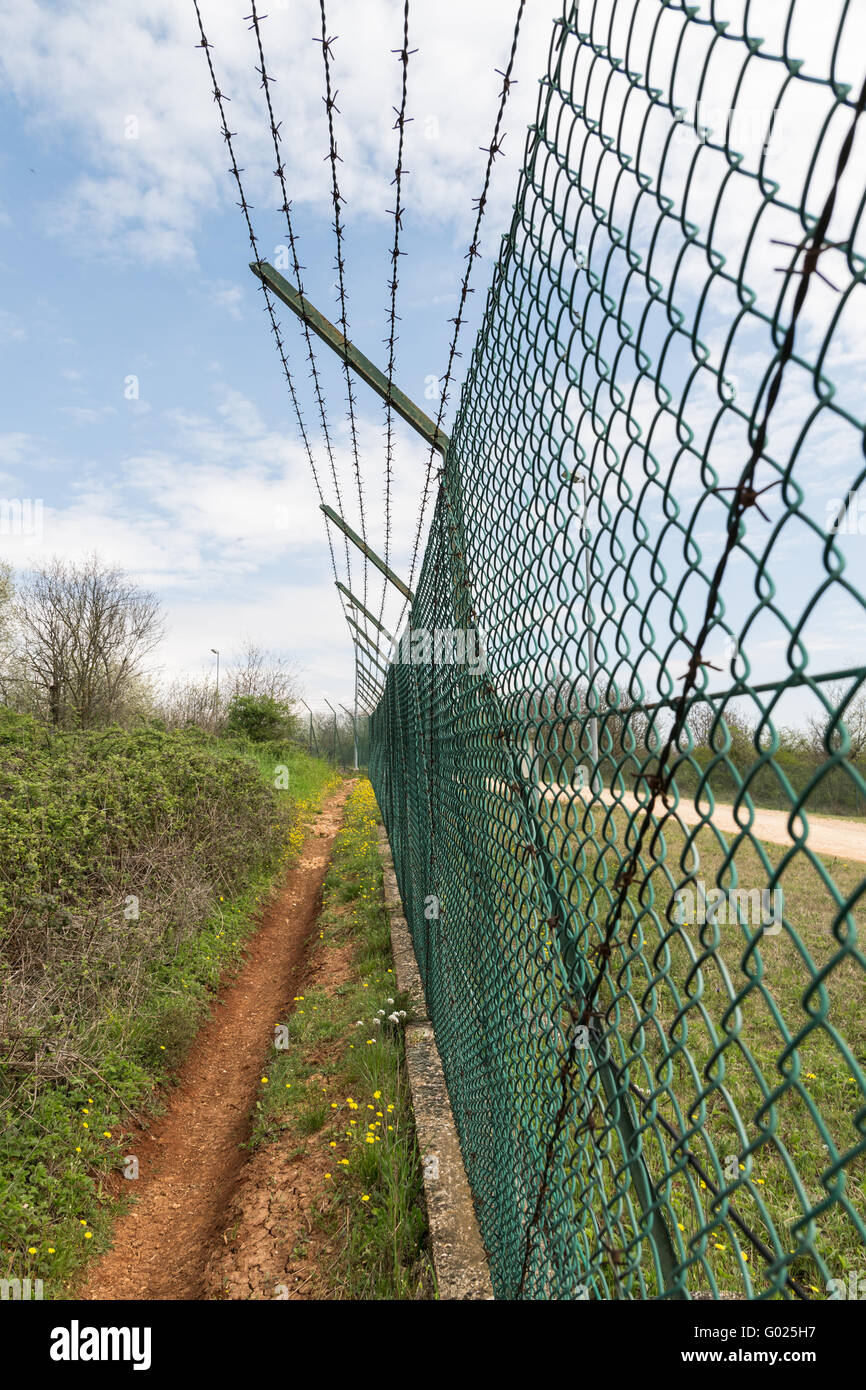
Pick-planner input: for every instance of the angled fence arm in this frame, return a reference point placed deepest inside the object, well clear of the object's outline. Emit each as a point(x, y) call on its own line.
point(361, 365)
point(365, 549)
point(356, 603)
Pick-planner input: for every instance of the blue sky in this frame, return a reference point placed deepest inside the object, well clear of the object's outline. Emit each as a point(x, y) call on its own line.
point(123, 255)
point(126, 257)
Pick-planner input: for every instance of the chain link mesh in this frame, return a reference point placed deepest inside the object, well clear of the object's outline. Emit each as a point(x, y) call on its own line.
point(637, 940)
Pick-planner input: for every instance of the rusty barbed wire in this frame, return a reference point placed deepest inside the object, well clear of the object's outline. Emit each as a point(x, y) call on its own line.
point(745, 497)
point(491, 150)
point(403, 55)
point(286, 209)
point(330, 101)
point(246, 207)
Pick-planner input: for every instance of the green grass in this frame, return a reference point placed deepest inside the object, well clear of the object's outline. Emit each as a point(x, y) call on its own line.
point(781, 1163)
point(100, 1010)
point(341, 1084)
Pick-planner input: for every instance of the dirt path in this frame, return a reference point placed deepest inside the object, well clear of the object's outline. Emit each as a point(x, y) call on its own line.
point(827, 836)
point(190, 1160)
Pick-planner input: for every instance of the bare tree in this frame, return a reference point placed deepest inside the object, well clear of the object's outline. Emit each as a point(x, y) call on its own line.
point(189, 701)
point(259, 672)
point(822, 737)
point(82, 633)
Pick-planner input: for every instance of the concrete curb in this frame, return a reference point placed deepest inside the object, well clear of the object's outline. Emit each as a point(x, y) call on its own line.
point(458, 1253)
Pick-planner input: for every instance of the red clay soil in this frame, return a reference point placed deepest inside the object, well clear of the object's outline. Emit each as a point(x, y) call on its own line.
point(190, 1160)
point(273, 1244)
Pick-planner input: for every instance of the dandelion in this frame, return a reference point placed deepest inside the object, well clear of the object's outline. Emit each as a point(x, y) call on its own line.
point(365, 1198)
point(88, 1235)
point(264, 1081)
point(31, 1250)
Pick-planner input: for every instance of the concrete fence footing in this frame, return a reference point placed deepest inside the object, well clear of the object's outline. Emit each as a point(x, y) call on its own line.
point(458, 1252)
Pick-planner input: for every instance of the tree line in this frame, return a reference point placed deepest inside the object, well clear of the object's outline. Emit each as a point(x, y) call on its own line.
point(77, 639)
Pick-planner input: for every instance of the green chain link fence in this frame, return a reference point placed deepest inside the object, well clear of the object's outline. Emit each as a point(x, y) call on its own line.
point(640, 957)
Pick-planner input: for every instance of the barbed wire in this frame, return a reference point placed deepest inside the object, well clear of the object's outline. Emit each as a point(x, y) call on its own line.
point(403, 55)
point(286, 209)
point(246, 207)
point(330, 100)
point(491, 150)
point(746, 496)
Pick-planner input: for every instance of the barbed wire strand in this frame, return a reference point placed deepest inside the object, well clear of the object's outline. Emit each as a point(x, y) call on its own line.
point(492, 151)
point(286, 209)
point(403, 56)
point(330, 100)
point(746, 496)
point(246, 207)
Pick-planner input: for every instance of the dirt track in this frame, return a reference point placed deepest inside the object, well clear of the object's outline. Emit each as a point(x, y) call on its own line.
point(191, 1160)
point(827, 837)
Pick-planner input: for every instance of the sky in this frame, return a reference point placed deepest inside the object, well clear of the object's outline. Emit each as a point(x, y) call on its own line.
point(145, 404)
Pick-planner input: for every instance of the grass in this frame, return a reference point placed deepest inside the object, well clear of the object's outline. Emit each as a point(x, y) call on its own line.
point(114, 1004)
point(341, 1084)
point(715, 1064)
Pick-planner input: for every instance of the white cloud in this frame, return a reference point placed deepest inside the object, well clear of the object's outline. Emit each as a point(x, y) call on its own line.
point(224, 526)
point(132, 89)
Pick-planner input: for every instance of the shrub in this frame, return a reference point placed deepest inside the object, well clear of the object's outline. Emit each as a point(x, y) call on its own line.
point(259, 717)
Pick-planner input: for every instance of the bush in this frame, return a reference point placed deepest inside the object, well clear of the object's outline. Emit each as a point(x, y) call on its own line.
point(259, 717)
point(113, 848)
